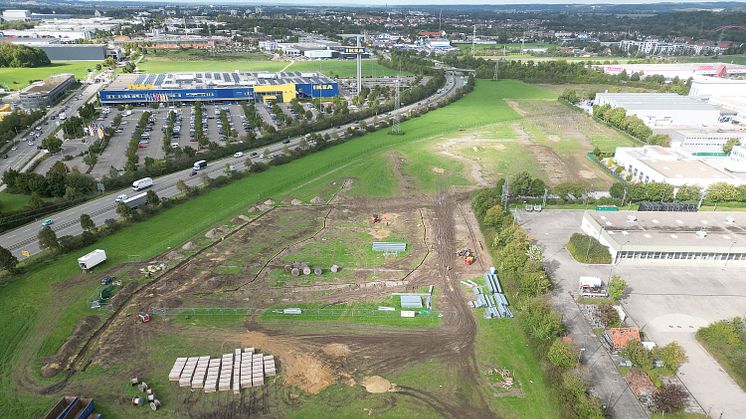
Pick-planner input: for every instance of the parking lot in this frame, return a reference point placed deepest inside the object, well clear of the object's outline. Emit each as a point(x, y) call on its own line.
point(668, 303)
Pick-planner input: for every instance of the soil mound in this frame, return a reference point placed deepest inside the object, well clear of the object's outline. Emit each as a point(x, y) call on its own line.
point(376, 384)
point(338, 350)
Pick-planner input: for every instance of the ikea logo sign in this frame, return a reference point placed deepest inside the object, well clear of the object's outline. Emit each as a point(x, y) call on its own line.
point(354, 50)
point(323, 87)
point(139, 86)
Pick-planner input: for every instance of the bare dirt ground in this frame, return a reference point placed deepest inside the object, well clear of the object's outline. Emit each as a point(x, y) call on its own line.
point(237, 272)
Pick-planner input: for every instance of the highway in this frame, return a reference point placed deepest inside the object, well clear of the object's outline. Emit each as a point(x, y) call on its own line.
point(67, 223)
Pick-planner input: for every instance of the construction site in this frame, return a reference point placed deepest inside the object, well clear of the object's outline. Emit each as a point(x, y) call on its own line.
point(346, 291)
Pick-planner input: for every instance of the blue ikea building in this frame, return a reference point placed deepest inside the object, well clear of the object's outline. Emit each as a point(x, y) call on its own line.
point(217, 86)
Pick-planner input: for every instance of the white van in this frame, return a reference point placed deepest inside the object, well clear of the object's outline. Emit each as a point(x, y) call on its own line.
point(198, 165)
point(141, 184)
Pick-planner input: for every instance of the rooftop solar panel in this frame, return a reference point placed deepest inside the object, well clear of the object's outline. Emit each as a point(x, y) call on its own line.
point(208, 75)
point(140, 79)
point(217, 76)
point(235, 77)
point(226, 76)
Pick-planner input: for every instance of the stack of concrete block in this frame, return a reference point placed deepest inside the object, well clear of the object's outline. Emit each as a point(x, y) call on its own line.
point(246, 369)
point(213, 372)
point(226, 371)
point(237, 371)
point(257, 370)
point(269, 366)
point(198, 381)
point(186, 375)
point(177, 369)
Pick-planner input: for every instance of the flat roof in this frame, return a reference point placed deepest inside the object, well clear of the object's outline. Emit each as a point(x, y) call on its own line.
point(213, 80)
point(662, 230)
point(675, 165)
point(47, 85)
point(646, 101)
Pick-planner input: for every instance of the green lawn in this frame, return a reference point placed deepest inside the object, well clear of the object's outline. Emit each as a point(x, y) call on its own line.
point(187, 62)
point(18, 78)
point(33, 323)
point(12, 202)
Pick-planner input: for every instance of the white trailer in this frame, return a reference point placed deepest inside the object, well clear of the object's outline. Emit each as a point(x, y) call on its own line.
point(92, 259)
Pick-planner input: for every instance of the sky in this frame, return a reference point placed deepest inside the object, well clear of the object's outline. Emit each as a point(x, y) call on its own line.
point(429, 2)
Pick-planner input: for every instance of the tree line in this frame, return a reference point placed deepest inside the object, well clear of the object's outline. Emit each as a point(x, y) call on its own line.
point(521, 271)
point(12, 55)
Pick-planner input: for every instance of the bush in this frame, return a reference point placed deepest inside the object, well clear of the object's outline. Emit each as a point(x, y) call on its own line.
point(561, 354)
point(608, 315)
point(669, 398)
point(726, 340)
point(586, 249)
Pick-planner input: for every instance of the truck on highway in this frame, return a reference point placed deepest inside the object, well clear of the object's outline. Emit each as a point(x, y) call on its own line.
point(92, 259)
point(62, 116)
point(141, 184)
point(136, 200)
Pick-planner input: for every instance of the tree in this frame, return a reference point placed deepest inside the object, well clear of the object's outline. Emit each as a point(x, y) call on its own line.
point(110, 62)
point(86, 223)
point(7, 260)
point(181, 186)
point(617, 288)
point(152, 198)
point(608, 315)
point(561, 354)
point(124, 211)
point(637, 355)
point(52, 143)
point(669, 398)
point(35, 202)
point(87, 112)
point(48, 238)
point(728, 146)
point(672, 355)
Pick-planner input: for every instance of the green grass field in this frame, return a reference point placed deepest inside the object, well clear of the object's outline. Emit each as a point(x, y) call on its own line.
point(18, 78)
point(12, 202)
point(34, 325)
point(186, 62)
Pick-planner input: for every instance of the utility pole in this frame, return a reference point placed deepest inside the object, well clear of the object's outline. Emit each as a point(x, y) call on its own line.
point(474, 40)
point(359, 67)
point(504, 198)
point(396, 126)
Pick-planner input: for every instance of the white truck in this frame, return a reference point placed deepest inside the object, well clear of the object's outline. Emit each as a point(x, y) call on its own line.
point(62, 116)
point(92, 259)
point(141, 184)
point(135, 201)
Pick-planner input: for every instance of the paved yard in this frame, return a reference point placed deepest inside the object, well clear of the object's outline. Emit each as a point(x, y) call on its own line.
point(667, 302)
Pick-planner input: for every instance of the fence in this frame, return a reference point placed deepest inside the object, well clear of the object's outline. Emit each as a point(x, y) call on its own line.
point(325, 313)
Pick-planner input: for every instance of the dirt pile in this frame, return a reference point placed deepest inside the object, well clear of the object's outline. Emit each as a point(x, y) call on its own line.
point(296, 202)
point(376, 384)
point(317, 200)
point(216, 232)
point(188, 246)
point(56, 362)
point(337, 350)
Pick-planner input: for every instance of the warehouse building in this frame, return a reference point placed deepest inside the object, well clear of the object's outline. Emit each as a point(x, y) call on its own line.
point(663, 109)
point(58, 51)
point(695, 238)
point(677, 167)
point(718, 87)
point(213, 86)
point(44, 93)
point(699, 141)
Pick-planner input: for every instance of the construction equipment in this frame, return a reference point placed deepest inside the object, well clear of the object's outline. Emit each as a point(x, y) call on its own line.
point(468, 255)
point(144, 316)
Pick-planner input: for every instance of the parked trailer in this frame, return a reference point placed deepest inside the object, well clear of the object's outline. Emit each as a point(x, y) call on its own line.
point(137, 200)
point(92, 259)
point(71, 407)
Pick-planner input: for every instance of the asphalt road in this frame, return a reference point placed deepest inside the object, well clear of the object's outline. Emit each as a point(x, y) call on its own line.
point(17, 159)
point(68, 222)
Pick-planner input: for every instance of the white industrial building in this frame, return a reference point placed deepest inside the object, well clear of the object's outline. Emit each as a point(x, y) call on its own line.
point(734, 106)
point(702, 140)
point(683, 71)
point(663, 109)
point(11, 15)
point(678, 238)
point(718, 87)
point(678, 167)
